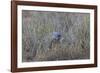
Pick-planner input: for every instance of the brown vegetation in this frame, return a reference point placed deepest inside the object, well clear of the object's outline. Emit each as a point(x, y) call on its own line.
point(37, 28)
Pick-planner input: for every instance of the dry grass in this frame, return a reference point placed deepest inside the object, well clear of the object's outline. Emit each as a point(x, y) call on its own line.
point(37, 28)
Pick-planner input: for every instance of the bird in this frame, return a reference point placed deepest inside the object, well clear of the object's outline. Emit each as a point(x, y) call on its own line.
point(56, 36)
point(55, 40)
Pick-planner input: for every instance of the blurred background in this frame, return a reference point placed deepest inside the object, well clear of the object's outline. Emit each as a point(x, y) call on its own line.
point(40, 41)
